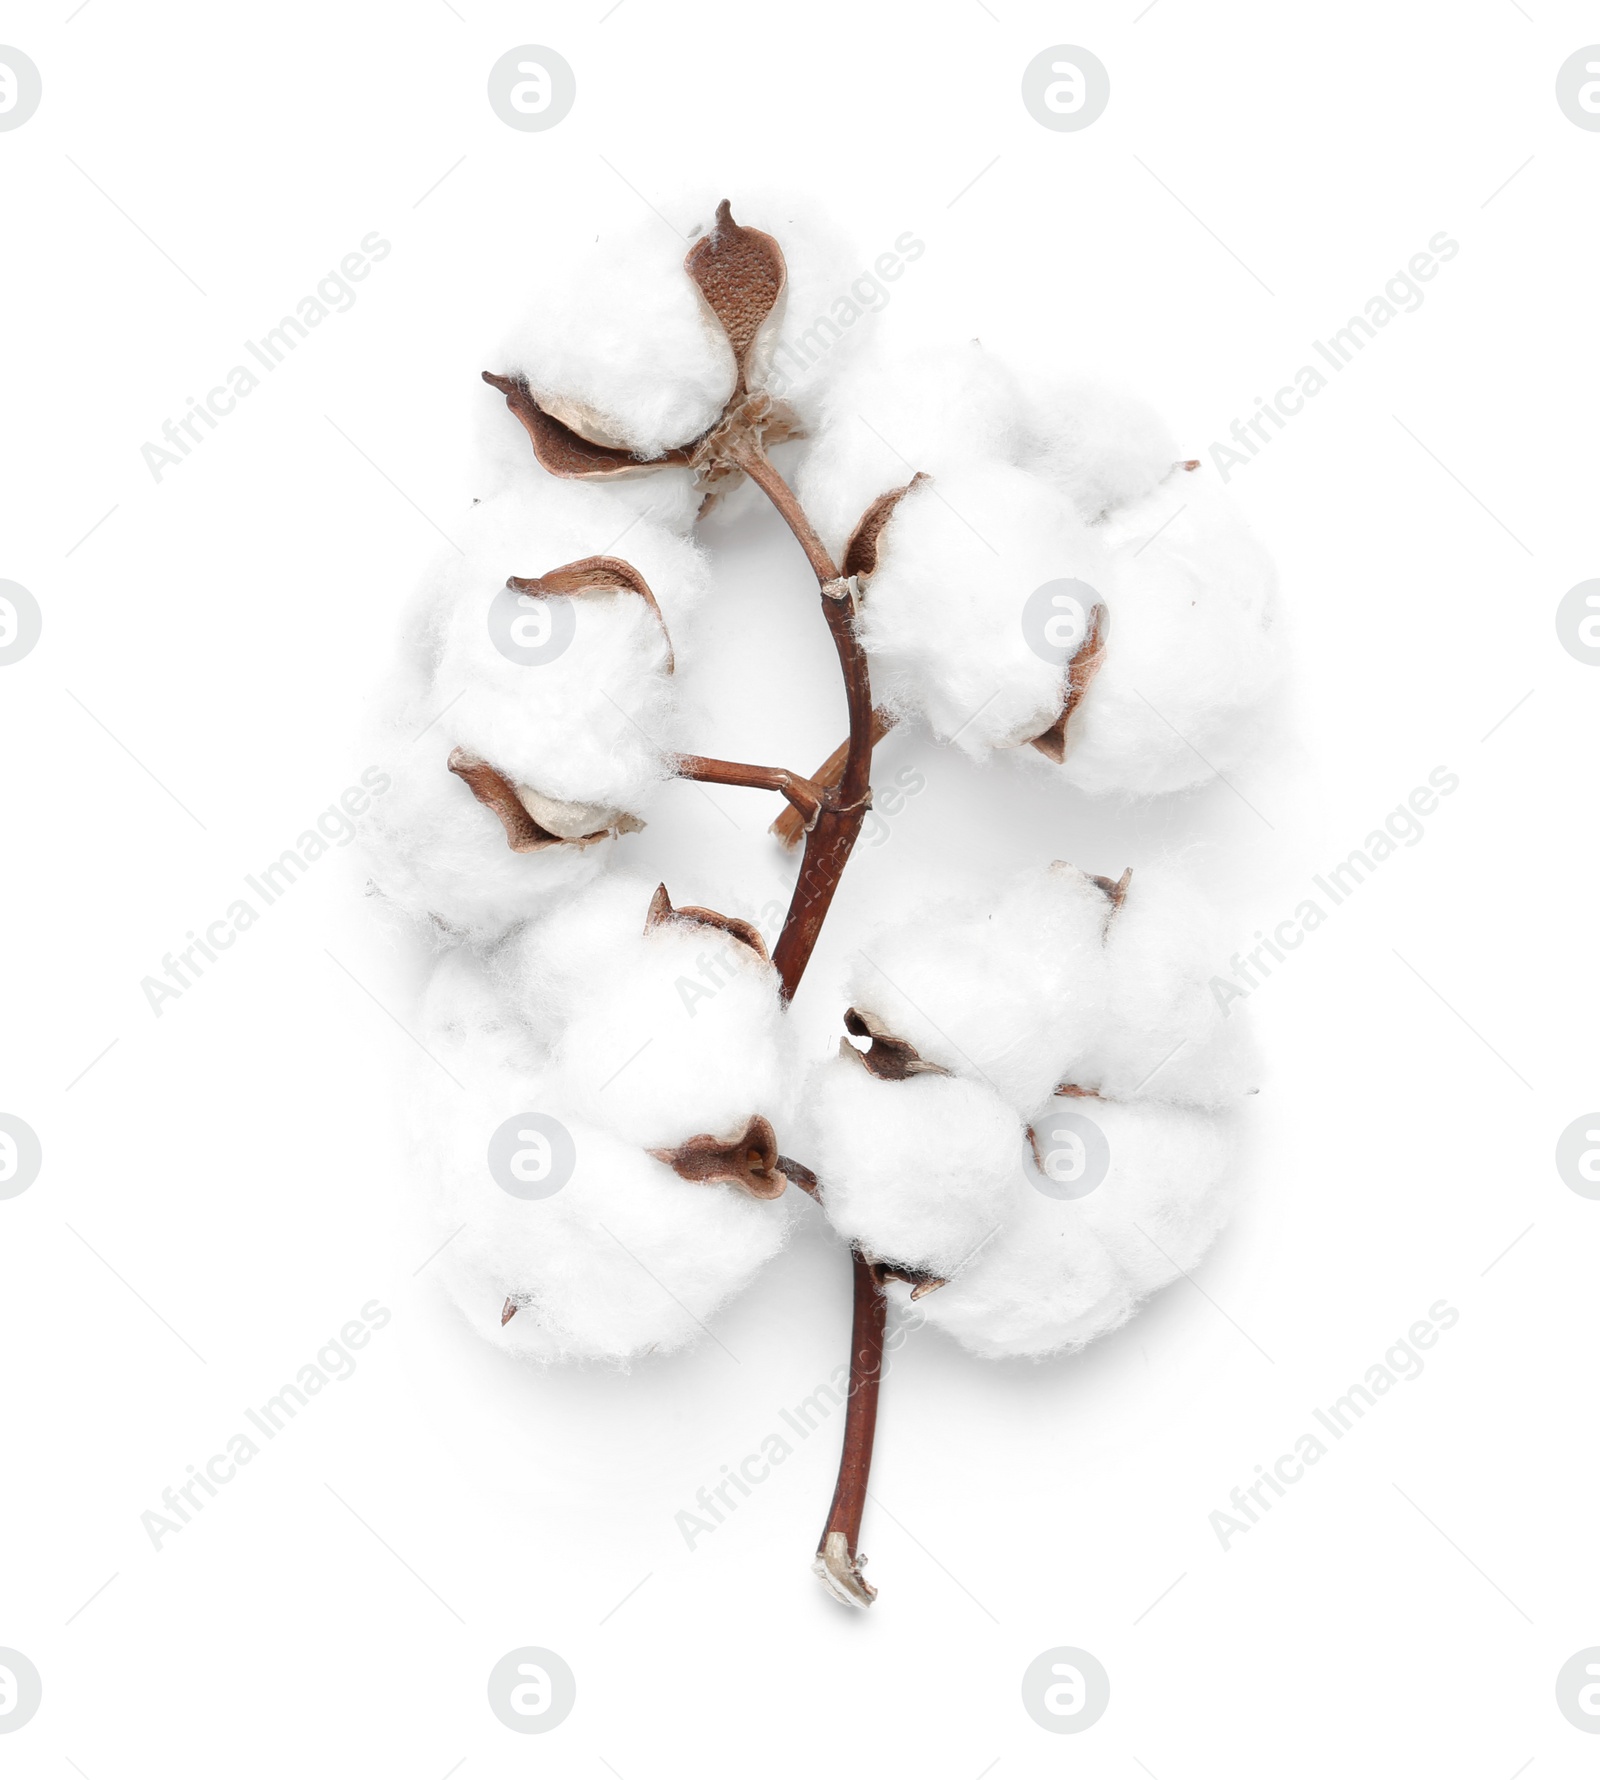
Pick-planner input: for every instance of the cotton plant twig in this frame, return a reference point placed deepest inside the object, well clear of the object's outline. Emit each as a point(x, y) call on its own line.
point(804, 794)
point(740, 275)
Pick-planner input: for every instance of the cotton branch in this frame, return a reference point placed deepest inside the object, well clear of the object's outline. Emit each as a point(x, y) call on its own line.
point(801, 792)
point(833, 835)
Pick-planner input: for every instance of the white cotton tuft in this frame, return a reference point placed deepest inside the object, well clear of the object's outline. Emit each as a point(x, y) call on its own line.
point(1164, 1036)
point(915, 1171)
point(659, 1035)
point(624, 1258)
point(1100, 446)
point(586, 712)
point(439, 856)
point(1010, 990)
point(1062, 1272)
point(1193, 656)
point(618, 343)
point(937, 411)
point(615, 340)
point(946, 617)
point(1167, 1192)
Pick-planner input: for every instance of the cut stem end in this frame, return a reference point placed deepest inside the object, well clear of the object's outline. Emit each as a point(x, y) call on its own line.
point(838, 1569)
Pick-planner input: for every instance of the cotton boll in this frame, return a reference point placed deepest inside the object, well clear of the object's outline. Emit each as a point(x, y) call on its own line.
point(681, 1033)
point(618, 343)
point(660, 1030)
point(914, 1171)
point(593, 723)
point(615, 340)
point(666, 495)
point(1100, 446)
point(437, 855)
point(627, 1258)
point(1010, 990)
point(623, 1258)
point(1063, 1272)
point(946, 617)
point(1164, 1037)
point(937, 411)
point(1193, 655)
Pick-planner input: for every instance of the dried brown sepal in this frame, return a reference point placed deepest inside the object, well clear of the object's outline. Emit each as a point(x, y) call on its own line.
point(594, 574)
point(1116, 892)
point(861, 553)
point(920, 1281)
point(496, 792)
point(508, 1310)
point(741, 274)
point(661, 911)
point(890, 1059)
point(790, 827)
point(1190, 463)
point(749, 1163)
point(1080, 671)
point(563, 451)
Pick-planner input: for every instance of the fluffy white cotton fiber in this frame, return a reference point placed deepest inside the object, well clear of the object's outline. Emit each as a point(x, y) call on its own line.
point(680, 1033)
point(941, 410)
point(623, 1259)
point(1193, 657)
point(583, 731)
point(1053, 982)
point(915, 1171)
point(614, 339)
point(946, 615)
point(617, 342)
point(1164, 1037)
point(1010, 990)
point(1034, 481)
point(1100, 446)
point(590, 722)
point(1063, 1271)
point(438, 857)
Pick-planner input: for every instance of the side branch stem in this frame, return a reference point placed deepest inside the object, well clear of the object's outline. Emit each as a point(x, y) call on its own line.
point(805, 796)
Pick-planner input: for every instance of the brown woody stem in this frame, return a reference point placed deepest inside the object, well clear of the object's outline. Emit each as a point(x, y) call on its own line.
point(801, 792)
point(833, 835)
point(791, 831)
point(748, 456)
point(838, 1562)
point(828, 846)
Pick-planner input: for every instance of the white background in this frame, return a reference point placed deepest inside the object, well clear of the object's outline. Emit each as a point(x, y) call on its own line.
point(226, 1185)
